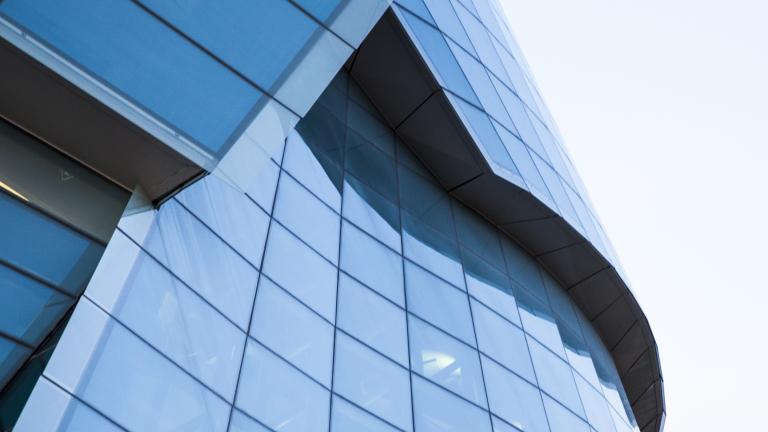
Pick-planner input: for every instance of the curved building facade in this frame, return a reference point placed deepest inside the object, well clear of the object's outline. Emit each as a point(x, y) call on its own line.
point(296, 215)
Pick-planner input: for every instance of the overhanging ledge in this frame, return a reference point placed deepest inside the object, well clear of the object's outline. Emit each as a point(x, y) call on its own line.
point(393, 73)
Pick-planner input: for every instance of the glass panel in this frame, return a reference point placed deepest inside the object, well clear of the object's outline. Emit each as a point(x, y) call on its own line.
point(372, 382)
point(207, 101)
point(372, 212)
point(522, 158)
point(372, 263)
point(519, 116)
point(293, 331)
point(37, 244)
point(436, 410)
point(449, 23)
point(562, 420)
point(199, 258)
point(308, 218)
point(523, 268)
point(372, 166)
point(596, 407)
point(345, 417)
point(280, 396)
point(436, 49)
point(51, 408)
point(243, 33)
point(432, 250)
point(363, 314)
point(369, 125)
point(417, 7)
point(439, 303)
point(446, 361)
point(139, 292)
point(555, 377)
point(502, 341)
point(556, 189)
point(513, 399)
point(262, 188)
point(491, 287)
point(12, 356)
point(478, 235)
point(315, 284)
point(242, 423)
point(482, 42)
point(426, 201)
point(310, 170)
point(28, 309)
point(230, 214)
point(96, 356)
point(539, 321)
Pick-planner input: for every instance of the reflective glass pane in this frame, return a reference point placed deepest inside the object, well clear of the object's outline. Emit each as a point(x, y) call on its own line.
point(478, 235)
point(372, 263)
point(432, 250)
point(262, 188)
point(315, 284)
point(437, 51)
point(502, 341)
point(28, 309)
point(436, 410)
point(280, 396)
point(447, 21)
point(372, 212)
point(562, 420)
point(490, 286)
point(46, 248)
point(310, 170)
point(426, 201)
point(240, 422)
point(513, 399)
point(96, 355)
point(150, 301)
point(595, 406)
point(293, 331)
point(307, 217)
point(371, 127)
point(51, 408)
point(523, 268)
point(371, 166)
point(12, 355)
point(346, 417)
point(539, 321)
point(362, 313)
point(229, 213)
point(482, 42)
point(438, 302)
point(372, 382)
point(243, 33)
point(555, 377)
point(207, 102)
point(446, 361)
point(199, 258)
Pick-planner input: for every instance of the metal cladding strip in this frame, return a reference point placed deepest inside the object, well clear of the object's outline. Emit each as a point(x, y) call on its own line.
point(402, 83)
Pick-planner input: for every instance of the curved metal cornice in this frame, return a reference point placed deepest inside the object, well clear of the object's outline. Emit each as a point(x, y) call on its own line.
point(396, 76)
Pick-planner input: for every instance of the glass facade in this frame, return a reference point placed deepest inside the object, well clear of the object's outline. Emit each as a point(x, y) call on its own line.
point(361, 296)
point(318, 277)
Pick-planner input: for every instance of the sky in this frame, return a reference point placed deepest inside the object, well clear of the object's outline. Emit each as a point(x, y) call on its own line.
point(663, 106)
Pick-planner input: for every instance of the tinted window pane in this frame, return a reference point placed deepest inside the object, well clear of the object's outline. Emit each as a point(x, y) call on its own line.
point(372, 212)
point(309, 169)
point(371, 381)
point(490, 286)
point(595, 405)
point(362, 313)
point(207, 101)
point(28, 309)
point(513, 399)
point(502, 341)
point(555, 377)
point(280, 396)
point(562, 420)
point(446, 361)
point(307, 217)
point(438, 302)
point(293, 331)
point(436, 410)
point(372, 263)
point(348, 418)
point(242, 423)
point(45, 248)
point(315, 284)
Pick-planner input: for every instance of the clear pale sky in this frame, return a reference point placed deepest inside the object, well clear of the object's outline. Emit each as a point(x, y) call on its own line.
point(664, 108)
